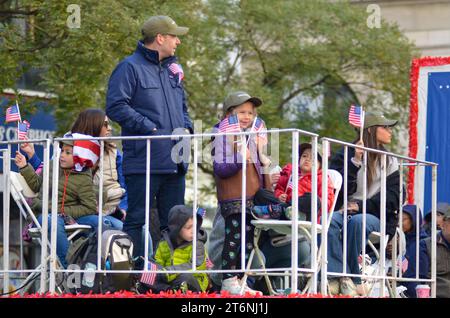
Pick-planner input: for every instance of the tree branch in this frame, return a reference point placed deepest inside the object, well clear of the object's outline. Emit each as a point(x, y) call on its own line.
point(18, 12)
point(299, 90)
point(232, 68)
point(256, 48)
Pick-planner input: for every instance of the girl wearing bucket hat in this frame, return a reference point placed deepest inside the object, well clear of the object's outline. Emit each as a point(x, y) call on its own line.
point(377, 133)
point(240, 113)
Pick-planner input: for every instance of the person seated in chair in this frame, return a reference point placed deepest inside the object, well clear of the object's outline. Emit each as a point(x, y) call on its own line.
point(76, 196)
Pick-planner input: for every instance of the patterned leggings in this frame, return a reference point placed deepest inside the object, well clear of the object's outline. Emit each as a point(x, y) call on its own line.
point(231, 253)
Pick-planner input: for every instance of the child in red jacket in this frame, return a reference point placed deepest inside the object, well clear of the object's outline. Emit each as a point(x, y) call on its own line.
point(284, 187)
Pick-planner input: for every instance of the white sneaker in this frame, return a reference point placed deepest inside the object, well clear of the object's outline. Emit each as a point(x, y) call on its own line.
point(235, 286)
point(231, 285)
point(247, 289)
point(348, 287)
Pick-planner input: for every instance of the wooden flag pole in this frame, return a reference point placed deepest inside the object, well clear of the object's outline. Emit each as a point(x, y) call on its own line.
point(18, 110)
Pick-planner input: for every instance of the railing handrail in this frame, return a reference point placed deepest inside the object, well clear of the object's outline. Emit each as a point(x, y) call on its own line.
point(381, 152)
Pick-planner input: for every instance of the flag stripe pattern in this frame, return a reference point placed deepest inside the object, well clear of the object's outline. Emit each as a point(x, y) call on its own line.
point(260, 128)
point(23, 130)
point(354, 116)
point(176, 69)
point(149, 278)
point(85, 152)
point(12, 114)
point(230, 124)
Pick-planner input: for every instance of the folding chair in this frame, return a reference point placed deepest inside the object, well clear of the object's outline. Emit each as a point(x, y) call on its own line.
point(284, 227)
point(20, 191)
point(375, 238)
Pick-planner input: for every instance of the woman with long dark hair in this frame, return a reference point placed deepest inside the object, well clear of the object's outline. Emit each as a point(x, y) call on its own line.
point(377, 133)
point(94, 122)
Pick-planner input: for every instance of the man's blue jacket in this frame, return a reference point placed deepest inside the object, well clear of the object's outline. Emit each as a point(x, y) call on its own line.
point(144, 94)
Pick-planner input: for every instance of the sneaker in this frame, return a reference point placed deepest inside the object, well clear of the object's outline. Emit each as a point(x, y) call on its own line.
point(288, 213)
point(232, 286)
point(246, 289)
point(348, 287)
point(333, 286)
point(261, 212)
point(275, 211)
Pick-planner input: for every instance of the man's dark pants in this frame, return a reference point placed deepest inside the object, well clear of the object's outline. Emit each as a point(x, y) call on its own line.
point(169, 191)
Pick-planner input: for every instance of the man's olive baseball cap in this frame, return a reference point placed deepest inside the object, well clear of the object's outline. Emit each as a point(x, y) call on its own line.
point(377, 119)
point(239, 98)
point(162, 24)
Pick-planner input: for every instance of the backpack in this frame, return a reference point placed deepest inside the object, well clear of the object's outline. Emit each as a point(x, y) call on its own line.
point(117, 250)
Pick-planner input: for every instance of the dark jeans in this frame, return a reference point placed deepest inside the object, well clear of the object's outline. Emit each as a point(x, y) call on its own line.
point(168, 190)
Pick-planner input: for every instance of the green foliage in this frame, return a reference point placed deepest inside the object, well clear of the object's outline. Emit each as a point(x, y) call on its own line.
point(293, 54)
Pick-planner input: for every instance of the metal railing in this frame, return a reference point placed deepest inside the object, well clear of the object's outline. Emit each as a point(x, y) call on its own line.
point(293, 271)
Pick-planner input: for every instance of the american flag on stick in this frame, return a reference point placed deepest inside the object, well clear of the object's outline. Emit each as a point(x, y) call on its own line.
point(149, 278)
point(22, 130)
point(230, 124)
point(355, 116)
point(13, 113)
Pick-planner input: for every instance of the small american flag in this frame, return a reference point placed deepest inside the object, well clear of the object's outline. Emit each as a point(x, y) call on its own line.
point(149, 278)
point(355, 116)
point(13, 113)
point(260, 128)
point(404, 264)
point(290, 185)
point(176, 69)
point(201, 212)
point(230, 124)
point(22, 130)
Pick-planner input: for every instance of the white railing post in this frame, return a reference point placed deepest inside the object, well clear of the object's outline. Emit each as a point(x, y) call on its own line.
point(382, 224)
point(54, 214)
point(147, 203)
point(244, 199)
point(195, 205)
point(324, 205)
point(100, 207)
point(314, 216)
point(433, 229)
point(294, 233)
point(364, 214)
point(344, 239)
point(6, 216)
point(45, 209)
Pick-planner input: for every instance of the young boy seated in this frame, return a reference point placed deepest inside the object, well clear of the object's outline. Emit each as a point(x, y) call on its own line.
point(284, 188)
point(76, 196)
point(174, 252)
